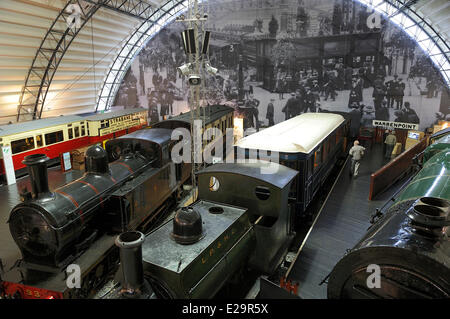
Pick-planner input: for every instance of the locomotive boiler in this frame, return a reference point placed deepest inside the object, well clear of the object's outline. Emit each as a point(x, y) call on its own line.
point(410, 244)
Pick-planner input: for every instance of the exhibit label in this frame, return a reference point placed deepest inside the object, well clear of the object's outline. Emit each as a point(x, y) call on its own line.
point(396, 125)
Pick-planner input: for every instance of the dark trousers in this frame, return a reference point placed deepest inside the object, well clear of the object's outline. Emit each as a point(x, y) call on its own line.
point(389, 148)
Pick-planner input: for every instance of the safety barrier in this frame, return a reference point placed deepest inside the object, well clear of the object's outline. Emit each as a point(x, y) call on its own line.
point(394, 170)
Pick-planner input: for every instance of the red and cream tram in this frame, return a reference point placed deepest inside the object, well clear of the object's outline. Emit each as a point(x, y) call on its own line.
point(57, 135)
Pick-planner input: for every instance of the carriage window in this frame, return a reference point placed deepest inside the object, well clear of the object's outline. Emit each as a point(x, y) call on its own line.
point(39, 141)
point(262, 192)
point(55, 137)
point(83, 131)
point(309, 167)
point(70, 133)
point(317, 158)
point(332, 141)
point(214, 184)
point(22, 145)
point(338, 135)
point(77, 131)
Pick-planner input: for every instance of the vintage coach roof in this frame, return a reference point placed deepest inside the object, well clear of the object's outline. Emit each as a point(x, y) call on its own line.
point(159, 136)
point(10, 129)
point(300, 134)
point(113, 114)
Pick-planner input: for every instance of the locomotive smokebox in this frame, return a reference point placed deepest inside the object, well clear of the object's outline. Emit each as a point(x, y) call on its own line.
point(130, 245)
point(37, 169)
point(96, 160)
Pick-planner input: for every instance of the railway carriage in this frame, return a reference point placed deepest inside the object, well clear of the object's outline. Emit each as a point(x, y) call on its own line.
point(310, 143)
point(213, 116)
point(54, 136)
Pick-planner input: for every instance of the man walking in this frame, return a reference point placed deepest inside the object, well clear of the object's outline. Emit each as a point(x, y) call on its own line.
point(253, 104)
point(390, 142)
point(357, 153)
point(270, 112)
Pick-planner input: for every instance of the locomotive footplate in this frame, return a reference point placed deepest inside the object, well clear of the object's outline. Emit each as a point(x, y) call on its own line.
point(95, 264)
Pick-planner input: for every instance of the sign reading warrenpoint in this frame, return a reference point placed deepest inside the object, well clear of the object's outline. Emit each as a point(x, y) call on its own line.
point(396, 125)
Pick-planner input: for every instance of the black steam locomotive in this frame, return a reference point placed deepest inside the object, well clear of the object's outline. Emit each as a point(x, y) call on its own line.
point(127, 186)
point(55, 229)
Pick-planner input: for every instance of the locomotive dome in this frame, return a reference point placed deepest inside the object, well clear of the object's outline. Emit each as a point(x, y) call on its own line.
point(96, 160)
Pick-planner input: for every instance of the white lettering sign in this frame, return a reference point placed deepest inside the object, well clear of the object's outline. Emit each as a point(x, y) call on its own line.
point(396, 125)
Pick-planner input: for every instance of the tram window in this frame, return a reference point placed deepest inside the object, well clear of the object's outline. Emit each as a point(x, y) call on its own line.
point(70, 133)
point(54, 137)
point(22, 145)
point(83, 131)
point(77, 131)
point(39, 141)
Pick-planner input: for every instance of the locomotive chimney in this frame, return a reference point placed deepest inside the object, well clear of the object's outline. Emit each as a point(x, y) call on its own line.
point(37, 169)
point(130, 245)
point(430, 216)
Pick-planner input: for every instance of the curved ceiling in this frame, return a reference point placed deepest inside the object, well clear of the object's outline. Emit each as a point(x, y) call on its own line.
point(86, 76)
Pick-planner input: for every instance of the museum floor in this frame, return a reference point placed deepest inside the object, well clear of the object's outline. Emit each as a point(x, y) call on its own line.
point(344, 219)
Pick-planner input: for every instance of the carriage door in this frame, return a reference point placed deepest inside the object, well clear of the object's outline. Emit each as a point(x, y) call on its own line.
point(308, 180)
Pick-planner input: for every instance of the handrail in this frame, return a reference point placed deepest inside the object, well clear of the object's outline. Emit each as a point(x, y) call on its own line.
point(392, 171)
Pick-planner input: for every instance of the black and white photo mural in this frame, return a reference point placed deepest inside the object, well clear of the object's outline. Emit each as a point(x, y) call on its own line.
point(278, 59)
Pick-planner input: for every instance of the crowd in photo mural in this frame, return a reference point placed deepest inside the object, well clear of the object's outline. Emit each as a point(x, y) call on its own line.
point(279, 59)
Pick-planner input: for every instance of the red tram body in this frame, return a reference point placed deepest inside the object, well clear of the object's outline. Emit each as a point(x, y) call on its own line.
point(58, 135)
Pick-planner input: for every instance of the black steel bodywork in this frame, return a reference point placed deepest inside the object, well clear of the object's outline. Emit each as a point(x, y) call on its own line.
point(53, 230)
point(264, 194)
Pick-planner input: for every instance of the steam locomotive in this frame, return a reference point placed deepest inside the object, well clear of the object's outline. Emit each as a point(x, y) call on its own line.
point(207, 243)
point(72, 224)
point(128, 185)
point(410, 244)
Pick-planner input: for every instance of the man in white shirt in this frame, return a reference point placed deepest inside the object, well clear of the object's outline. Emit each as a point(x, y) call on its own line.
point(390, 142)
point(357, 153)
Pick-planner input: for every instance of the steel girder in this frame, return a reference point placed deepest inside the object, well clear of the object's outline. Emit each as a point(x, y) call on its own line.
point(56, 43)
point(135, 42)
point(406, 7)
point(135, 8)
point(48, 57)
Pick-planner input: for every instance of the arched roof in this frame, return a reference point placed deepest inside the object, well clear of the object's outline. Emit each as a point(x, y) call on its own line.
point(48, 69)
